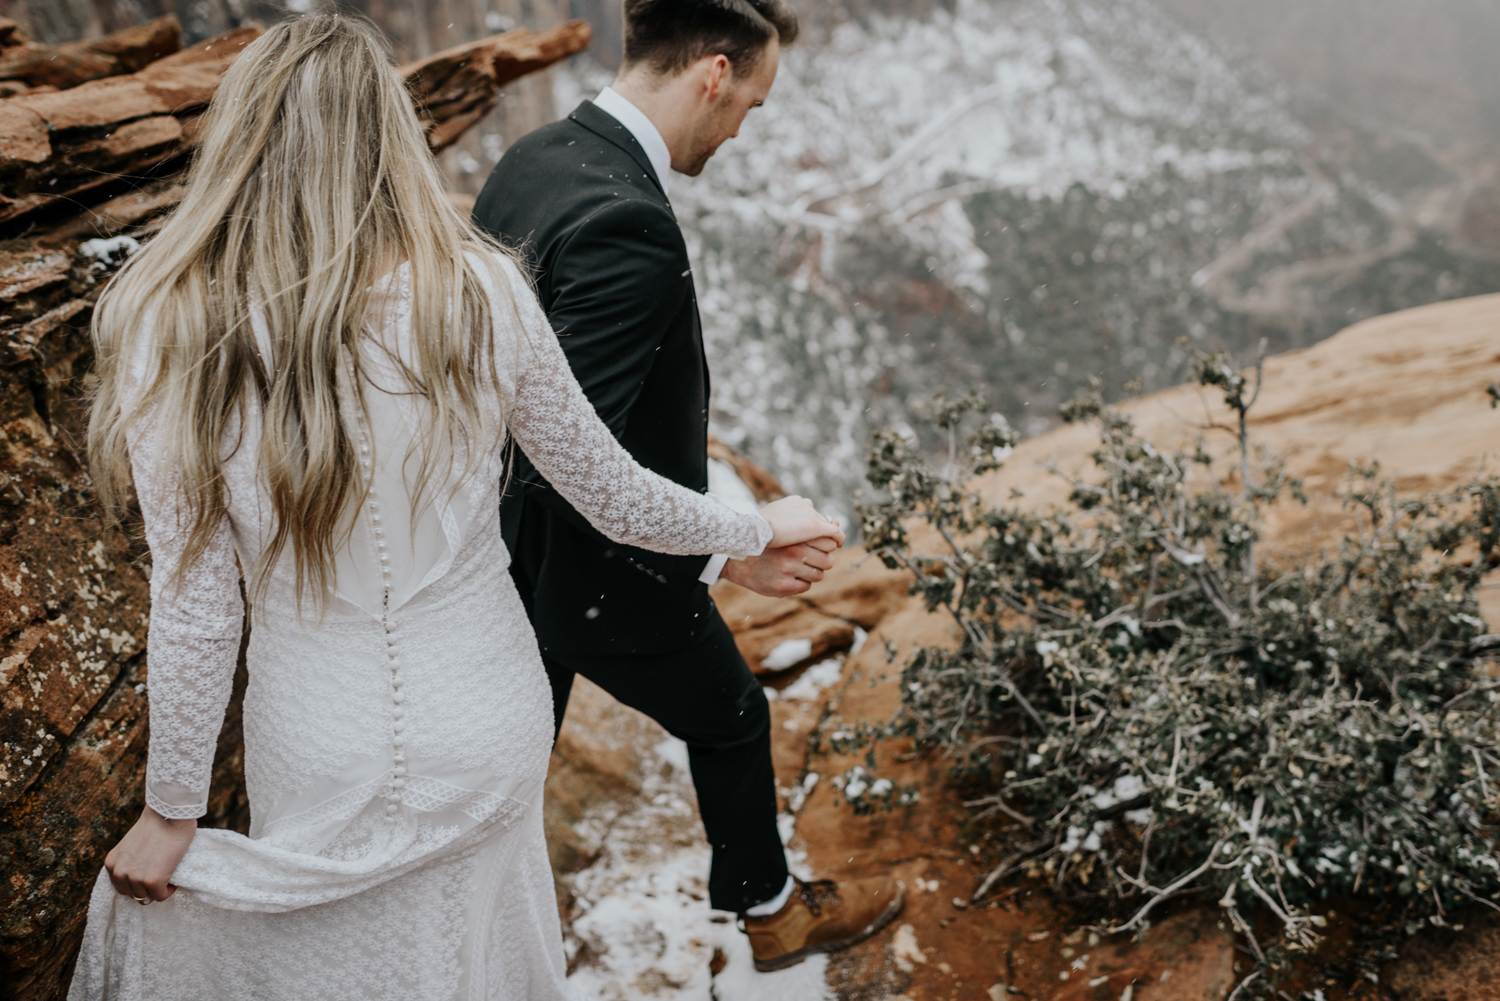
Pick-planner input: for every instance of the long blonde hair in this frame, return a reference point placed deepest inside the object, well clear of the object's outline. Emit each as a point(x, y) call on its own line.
point(313, 179)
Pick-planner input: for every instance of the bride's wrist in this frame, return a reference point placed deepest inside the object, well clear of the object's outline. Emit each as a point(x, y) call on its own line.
point(172, 823)
point(731, 571)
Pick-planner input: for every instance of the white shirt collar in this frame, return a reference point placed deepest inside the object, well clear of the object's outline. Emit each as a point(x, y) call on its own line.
point(636, 122)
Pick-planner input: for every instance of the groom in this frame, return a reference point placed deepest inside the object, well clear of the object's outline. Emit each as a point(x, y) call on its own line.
point(586, 199)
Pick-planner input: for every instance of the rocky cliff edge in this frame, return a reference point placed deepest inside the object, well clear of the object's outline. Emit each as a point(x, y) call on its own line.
point(1407, 390)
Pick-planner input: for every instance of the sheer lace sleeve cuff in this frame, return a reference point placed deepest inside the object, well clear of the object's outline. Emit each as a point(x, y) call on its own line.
point(161, 798)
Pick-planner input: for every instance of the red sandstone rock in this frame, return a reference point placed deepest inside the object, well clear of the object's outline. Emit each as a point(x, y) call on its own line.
point(859, 588)
point(51, 153)
point(762, 625)
point(858, 591)
point(151, 107)
point(23, 137)
point(596, 763)
point(73, 619)
point(1451, 965)
point(70, 64)
point(457, 87)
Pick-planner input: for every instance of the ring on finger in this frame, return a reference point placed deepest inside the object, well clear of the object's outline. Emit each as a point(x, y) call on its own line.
point(143, 901)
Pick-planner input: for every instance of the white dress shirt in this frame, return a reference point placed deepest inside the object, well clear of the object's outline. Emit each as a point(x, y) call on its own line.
point(639, 125)
point(636, 122)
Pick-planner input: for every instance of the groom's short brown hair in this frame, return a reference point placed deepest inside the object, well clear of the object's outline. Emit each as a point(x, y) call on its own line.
point(671, 35)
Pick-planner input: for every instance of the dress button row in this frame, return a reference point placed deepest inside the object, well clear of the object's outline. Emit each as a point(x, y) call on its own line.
point(398, 714)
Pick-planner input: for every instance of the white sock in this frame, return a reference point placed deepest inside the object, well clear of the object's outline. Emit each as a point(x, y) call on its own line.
point(773, 905)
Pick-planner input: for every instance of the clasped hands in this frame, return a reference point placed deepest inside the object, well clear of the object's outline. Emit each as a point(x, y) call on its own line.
point(800, 551)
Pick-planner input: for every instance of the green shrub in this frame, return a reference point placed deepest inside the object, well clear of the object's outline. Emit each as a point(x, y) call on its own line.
point(1158, 711)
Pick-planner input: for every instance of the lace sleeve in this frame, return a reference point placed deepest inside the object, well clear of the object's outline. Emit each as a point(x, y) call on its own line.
point(560, 432)
point(193, 643)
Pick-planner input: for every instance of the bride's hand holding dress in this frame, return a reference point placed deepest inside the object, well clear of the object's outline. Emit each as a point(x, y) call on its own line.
point(141, 865)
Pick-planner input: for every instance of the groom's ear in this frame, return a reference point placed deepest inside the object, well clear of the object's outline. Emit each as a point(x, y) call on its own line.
point(718, 77)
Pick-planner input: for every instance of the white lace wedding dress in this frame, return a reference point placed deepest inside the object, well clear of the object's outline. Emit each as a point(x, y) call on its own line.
point(395, 750)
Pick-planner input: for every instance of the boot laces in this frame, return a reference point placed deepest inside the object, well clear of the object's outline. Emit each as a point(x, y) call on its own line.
point(815, 893)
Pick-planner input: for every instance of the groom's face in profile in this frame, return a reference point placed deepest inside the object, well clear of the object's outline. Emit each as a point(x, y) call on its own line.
point(723, 117)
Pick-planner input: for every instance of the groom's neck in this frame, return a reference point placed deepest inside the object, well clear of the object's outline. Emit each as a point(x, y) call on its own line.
point(669, 101)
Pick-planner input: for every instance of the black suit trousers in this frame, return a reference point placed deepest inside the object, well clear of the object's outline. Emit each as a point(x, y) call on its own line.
point(705, 695)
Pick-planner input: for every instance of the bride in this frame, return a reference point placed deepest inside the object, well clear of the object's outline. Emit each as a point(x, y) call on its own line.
point(312, 373)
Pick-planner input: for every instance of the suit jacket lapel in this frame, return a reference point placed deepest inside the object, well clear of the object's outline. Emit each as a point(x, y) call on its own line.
point(698, 333)
point(607, 126)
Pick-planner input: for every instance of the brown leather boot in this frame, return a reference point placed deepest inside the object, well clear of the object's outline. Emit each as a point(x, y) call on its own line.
point(823, 916)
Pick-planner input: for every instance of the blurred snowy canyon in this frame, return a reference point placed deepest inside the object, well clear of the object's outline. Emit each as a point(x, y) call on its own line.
point(1017, 194)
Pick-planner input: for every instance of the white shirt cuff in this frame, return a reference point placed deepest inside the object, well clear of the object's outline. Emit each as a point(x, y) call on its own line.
point(714, 567)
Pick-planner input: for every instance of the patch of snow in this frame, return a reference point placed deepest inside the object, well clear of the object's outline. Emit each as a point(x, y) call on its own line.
point(675, 753)
point(786, 825)
point(643, 926)
point(112, 250)
point(795, 797)
point(814, 680)
point(1126, 787)
point(786, 653)
point(725, 484)
point(904, 949)
point(739, 981)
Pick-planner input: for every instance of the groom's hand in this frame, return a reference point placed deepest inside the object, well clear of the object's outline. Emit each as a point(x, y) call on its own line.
point(780, 573)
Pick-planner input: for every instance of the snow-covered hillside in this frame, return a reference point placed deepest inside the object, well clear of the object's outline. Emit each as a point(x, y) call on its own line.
point(1014, 196)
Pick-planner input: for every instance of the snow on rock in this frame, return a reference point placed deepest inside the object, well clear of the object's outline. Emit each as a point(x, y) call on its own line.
point(813, 681)
point(905, 950)
point(643, 927)
point(109, 250)
point(786, 653)
point(725, 484)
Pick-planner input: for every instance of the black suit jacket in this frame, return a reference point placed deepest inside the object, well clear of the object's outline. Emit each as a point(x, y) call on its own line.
point(581, 200)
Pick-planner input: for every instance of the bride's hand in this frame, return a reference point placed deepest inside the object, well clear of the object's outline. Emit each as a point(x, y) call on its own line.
point(141, 865)
point(794, 519)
